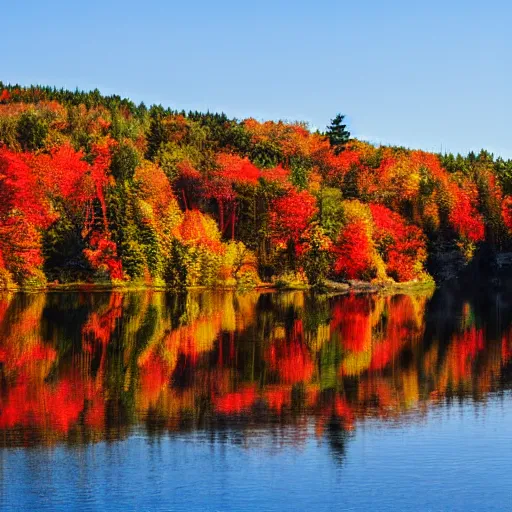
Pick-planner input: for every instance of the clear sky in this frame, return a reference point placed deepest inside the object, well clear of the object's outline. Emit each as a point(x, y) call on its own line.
point(432, 75)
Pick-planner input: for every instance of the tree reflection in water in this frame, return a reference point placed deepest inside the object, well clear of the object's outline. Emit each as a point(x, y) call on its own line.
point(84, 367)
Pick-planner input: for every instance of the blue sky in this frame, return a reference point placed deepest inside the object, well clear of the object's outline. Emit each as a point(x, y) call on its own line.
point(432, 76)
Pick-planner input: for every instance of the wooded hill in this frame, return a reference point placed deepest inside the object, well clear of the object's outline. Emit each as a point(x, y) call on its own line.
point(97, 189)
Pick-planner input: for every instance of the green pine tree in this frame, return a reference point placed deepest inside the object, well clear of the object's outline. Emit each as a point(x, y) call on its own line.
point(338, 134)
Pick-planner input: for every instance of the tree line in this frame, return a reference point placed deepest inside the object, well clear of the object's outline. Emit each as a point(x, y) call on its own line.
point(95, 188)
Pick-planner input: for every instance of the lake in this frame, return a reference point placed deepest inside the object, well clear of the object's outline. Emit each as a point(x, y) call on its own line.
point(256, 401)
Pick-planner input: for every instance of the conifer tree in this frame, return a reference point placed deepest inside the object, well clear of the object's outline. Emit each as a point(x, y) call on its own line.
point(338, 134)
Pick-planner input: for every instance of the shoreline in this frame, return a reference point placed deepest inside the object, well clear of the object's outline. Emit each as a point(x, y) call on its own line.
point(331, 287)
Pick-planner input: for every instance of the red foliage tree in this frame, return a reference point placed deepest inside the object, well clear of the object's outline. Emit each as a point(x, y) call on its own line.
point(506, 212)
point(353, 252)
point(232, 171)
point(66, 172)
point(103, 256)
point(402, 245)
point(278, 175)
point(5, 96)
point(24, 211)
point(336, 167)
point(464, 216)
point(290, 216)
point(100, 174)
point(21, 190)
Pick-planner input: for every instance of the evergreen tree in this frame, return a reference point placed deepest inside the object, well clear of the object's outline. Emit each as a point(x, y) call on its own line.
point(32, 131)
point(338, 134)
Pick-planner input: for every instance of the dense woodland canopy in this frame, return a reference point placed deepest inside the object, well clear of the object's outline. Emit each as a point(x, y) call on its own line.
point(97, 189)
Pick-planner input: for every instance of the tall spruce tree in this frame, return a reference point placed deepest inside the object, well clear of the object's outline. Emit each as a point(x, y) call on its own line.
point(338, 134)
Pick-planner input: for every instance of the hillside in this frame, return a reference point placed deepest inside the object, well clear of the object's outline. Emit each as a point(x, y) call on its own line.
point(97, 189)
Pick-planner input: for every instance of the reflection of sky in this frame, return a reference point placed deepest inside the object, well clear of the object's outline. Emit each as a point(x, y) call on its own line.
point(453, 458)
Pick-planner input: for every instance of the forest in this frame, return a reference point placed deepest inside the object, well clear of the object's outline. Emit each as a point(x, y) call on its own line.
point(96, 189)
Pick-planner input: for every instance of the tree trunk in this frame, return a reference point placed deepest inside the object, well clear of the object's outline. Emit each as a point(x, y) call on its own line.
point(221, 216)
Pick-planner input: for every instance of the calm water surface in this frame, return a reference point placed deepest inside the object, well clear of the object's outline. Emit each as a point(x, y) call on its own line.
point(256, 401)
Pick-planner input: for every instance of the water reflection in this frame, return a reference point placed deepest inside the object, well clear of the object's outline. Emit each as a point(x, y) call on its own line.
point(84, 367)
